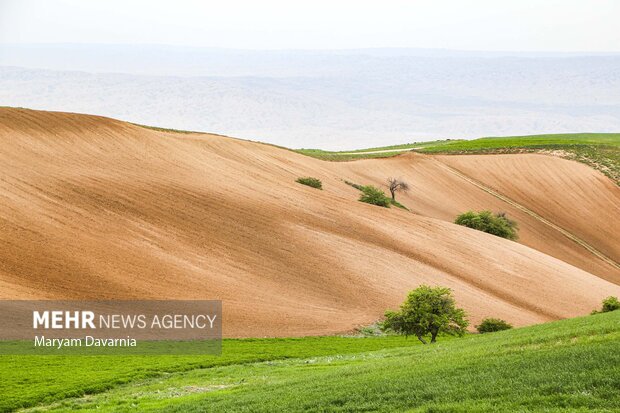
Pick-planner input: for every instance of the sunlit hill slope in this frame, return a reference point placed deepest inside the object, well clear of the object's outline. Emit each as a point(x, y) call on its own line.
point(92, 207)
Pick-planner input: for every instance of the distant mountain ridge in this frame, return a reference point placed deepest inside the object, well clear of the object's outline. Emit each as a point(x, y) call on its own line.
point(321, 99)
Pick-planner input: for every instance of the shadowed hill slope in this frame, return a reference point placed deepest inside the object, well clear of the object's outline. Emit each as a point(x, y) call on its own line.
point(92, 207)
point(573, 195)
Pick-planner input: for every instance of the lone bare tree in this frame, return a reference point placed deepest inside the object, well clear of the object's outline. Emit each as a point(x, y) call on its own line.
point(397, 184)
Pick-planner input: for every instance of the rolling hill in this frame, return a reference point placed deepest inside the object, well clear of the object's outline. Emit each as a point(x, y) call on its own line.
point(92, 207)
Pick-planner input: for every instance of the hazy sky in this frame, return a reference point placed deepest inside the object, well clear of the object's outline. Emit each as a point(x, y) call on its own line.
point(509, 25)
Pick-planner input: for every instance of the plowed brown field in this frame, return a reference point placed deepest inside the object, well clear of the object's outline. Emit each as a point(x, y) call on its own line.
point(92, 207)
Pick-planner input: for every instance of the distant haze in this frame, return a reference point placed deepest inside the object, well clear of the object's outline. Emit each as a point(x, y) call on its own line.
point(516, 25)
point(329, 99)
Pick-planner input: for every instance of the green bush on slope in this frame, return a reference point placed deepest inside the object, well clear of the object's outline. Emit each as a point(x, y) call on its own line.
point(497, 224)
point(609, 304)
point(309, 181)
point(375, 196)
point(490, 325)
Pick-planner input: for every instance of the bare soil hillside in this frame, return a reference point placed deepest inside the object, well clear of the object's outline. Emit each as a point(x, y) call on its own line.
point(92, 207)
point(571, 194)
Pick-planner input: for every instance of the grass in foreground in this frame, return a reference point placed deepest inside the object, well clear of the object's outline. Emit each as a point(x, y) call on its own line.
point(27, 380)
point(571, 365)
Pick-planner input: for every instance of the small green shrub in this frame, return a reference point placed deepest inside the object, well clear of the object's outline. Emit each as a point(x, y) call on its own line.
point(375, 196)
point(496, 224)
point(489, 325)
point(609, 304)
point(354, 185)
point(399, 205)
point(370, 331)
point(313, 182)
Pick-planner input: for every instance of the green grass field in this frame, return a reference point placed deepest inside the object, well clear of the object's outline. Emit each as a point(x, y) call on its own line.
point(570, 365)
point(533, 141)
point(359, 153)
point(599, 150)
point(26, 380)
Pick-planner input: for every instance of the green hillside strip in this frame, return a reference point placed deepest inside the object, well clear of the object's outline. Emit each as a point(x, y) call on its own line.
point(158, 129)
point(598, 150)
point(368, 153)
point(26, 380)
point(532, 141)
point(570, 365)
point(342, 156)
